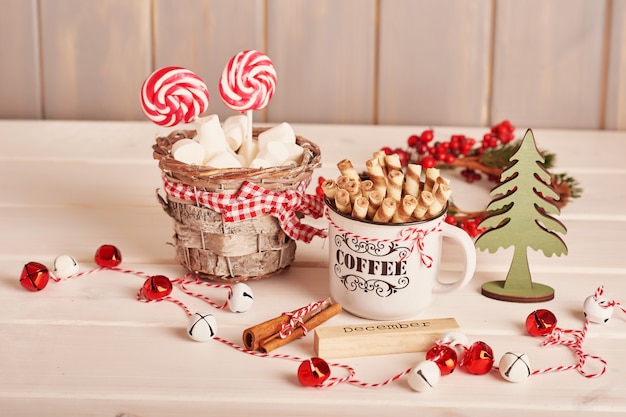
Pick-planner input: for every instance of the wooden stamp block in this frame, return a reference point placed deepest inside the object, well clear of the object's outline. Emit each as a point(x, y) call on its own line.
point(380, 338)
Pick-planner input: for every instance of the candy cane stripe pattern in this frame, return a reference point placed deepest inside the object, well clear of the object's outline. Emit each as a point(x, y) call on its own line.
point(172, 95)
point(248, 81)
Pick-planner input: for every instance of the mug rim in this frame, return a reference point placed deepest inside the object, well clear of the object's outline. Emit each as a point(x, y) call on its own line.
point(332, 207)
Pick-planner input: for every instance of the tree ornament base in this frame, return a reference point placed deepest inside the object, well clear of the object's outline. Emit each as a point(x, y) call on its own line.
point(536, 293)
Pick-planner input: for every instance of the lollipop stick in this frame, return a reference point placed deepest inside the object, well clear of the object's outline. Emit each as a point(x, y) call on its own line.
point(249, 127)
point(248, 150)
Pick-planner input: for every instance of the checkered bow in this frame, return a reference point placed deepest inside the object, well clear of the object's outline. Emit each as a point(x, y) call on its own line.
point(252, 200)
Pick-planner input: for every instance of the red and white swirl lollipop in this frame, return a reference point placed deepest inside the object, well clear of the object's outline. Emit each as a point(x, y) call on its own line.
point(248, 81)
point(173, 95)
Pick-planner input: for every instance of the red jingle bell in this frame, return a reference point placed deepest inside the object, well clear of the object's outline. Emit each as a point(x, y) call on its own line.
point(313, 372)
point(479, 358)
point(34, 276)
point(540, 322)
point(444, 356)
point(108, 256)
point(156, 287)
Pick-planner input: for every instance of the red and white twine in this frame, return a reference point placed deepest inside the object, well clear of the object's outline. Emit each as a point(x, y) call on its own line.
point(609, 303)
point(413, 234)
point(573, 339)
point(297, 318)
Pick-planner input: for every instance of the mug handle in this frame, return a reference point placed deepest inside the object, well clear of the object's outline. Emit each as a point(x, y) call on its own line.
point(469, 251)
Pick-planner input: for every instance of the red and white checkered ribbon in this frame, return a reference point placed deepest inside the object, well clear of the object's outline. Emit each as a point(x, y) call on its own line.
point(253, 200)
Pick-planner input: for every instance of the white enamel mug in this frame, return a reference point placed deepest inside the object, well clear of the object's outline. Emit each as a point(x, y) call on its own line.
point(390, 271)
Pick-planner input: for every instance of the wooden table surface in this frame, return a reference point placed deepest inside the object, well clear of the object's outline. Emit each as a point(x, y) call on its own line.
point(87, 347)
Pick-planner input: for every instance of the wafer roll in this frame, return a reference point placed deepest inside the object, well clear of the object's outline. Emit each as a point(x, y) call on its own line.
point(412, 179)
point(375, 200)
point(346, 168)
point(359, 208)
point(442, 180)
point(405, 209)
point(424, 201)
point(441, 194)
point(376, 175)
point(380, 156)
point(342, 201)
point(386, 210)
point(329, 187)
point(342, 181)
point(431, 176)
point(392, 161)
point(352, 187)
point(395, 181)
point(366, 187)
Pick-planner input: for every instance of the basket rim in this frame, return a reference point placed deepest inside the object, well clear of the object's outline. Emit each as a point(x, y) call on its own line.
point(225, 179)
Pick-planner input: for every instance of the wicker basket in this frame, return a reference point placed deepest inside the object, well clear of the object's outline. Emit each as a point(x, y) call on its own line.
point(238, 251)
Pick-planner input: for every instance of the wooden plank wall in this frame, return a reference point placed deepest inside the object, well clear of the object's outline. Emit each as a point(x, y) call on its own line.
point(539, 63)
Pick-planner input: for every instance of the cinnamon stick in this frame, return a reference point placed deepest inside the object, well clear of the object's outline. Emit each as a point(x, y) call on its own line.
point(276, 341)
point(255, 336)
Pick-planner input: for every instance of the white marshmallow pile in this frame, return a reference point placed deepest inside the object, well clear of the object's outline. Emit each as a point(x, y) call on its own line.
point(224, 145)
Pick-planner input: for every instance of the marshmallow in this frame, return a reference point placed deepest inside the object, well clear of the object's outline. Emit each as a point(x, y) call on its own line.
point(234, 130)
point(188, 151)
point(283, 133)
point(275, 152)
point(296, 152)
point(211, 136)
point(248, 151)
point(258, 163)
point(224, 159)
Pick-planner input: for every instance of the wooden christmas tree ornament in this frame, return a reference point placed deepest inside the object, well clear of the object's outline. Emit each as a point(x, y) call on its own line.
point(520, 215)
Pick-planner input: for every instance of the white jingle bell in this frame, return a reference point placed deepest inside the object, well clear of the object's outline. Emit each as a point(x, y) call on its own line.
point(240, 298)
point(597, 310)
point(515, 367)
point(457, 341)
point(424, 376)
point(65, 266)
point(202, 327)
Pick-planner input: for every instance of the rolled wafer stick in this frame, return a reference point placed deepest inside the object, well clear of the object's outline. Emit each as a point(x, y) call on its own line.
point(342, 201)
point(377, 175)
point(359, 208)
point(395, 181)
point(352, 187)
point(392, 161)
point(375, 199)
point(405, 209)
point(424, 201)
point(430, 178)
point(346, 168)
point(412, 179)
point(342, 181)
point(441, 193)
point(380, 156)
point(367, 186)
point(442, 180)
point(329, 187)
point(255, 335)
point(386, 210)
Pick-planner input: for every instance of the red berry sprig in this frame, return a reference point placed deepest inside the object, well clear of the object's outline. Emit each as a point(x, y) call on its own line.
point(488, 157)
point(319, 191)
